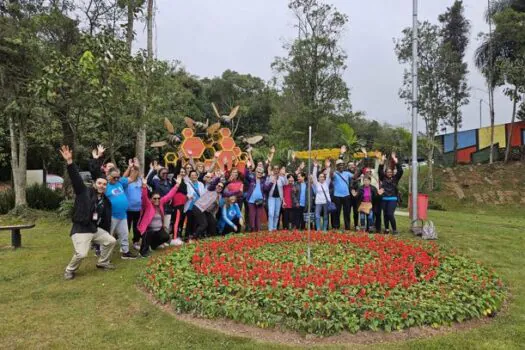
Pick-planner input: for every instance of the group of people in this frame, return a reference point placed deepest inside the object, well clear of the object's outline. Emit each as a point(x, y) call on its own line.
point(176, 204)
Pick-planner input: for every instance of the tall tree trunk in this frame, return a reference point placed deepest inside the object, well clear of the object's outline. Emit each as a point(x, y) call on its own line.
point(18, 139)
point(456, 126)
point(509, 135)
point(140, 145)
point(492, 121)
point(130, 24)
point(430, 160)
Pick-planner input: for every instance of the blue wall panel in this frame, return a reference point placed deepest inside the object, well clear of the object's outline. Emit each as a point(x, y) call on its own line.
point(465, 139)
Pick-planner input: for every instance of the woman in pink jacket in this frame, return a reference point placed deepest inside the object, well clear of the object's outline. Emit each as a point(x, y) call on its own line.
point(152, 218)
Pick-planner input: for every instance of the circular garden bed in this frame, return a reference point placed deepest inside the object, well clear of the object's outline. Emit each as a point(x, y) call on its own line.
point(354, 282)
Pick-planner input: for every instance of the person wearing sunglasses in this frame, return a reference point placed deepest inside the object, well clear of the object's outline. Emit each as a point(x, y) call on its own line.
point(116, 192)
point(257, 189)
point(91, 219)
point(151, 225)
point(205, 210)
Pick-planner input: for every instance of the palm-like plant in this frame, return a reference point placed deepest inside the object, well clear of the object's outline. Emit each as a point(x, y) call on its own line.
point(349, 138)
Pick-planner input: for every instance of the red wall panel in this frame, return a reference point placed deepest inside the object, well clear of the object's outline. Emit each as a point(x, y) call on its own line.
point(464, 155)
point(516, 134)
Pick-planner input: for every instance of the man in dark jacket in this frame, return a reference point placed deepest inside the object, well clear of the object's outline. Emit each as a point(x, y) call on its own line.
point(91, 219)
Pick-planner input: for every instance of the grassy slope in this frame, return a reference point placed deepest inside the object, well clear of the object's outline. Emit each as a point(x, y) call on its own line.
point(105, 310)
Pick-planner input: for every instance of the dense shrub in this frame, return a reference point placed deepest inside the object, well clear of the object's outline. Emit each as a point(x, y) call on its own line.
point(7, 200)
point(43, 198)
point(66, 209)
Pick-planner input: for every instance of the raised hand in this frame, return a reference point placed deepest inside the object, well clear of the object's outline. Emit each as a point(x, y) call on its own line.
point(178, 181)
point(272, 150)
point(343, 149)
point(100, 150)
point(144, 182)
point(394, 158)
point(302, 165)
point(130, 163)
point(327, 163)
point(293, 156)
point(66, 153)
point(383, 158)
point(94, 153)
point(315, 163)
point(136, 162)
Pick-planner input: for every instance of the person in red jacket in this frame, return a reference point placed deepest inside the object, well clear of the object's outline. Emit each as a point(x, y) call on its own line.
point(291, 201)
point(151, 224)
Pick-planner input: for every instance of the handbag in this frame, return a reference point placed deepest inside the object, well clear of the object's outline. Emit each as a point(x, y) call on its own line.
point(365, 207)
point(259, 202)
point(331, 205)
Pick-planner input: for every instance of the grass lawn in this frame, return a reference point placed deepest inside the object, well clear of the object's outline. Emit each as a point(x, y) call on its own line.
point(98, 309)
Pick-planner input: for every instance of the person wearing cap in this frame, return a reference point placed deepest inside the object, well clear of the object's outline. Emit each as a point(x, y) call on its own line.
point(341, 180)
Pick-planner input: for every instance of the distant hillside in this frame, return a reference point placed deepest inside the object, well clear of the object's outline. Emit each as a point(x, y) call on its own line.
point(475, 185)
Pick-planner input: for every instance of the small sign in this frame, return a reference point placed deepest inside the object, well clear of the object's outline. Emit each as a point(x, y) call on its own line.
point(310, 216)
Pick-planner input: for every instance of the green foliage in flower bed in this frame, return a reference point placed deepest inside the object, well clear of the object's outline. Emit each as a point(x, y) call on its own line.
point(355, 282)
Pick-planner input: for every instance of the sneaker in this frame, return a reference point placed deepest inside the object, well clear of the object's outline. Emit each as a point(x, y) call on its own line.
point(69, 275)
point(386, 232)
point(108, 266)
point(176, 242)
point(128, 256)
point(136, 246)
point(357, 228)
point(144, 255)
point(395, 233)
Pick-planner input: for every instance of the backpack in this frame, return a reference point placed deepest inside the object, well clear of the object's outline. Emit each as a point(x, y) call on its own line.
point(429, 231)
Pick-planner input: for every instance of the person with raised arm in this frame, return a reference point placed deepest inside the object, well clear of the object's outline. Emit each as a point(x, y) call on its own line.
point(152, 224)
point(341, 179)
point(389, 185)
point(255, 195)
point(91, 219)
point(321, 184)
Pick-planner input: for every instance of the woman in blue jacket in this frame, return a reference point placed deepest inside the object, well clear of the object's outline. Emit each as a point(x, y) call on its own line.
point(231, 217)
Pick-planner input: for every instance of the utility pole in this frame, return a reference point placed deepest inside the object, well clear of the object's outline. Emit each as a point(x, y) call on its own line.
point(414, 111)
point(491, 86)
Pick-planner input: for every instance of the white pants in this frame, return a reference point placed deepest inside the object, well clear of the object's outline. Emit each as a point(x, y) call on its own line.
point(120, 227)
point(82, 244)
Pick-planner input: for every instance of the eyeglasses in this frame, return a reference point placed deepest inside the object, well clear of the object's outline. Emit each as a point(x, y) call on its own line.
point(155, 198)
point(221, 187)
point(115, 177)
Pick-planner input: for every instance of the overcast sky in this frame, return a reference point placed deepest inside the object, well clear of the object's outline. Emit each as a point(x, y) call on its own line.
point(210, 36)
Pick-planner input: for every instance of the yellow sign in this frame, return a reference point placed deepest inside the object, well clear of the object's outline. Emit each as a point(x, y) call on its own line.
point(334, 153)
point(319, 154)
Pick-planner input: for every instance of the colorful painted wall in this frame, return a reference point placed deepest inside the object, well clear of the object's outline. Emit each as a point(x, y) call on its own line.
point(474, 145)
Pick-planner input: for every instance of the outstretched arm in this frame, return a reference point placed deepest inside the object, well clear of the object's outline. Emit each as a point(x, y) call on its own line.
point(72, 170)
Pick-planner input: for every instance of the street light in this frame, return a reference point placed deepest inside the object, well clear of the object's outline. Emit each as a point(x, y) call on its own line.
point(480, 112)
point(414, 112)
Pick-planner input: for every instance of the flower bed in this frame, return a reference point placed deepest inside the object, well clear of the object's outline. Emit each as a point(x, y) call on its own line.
point(355, 282)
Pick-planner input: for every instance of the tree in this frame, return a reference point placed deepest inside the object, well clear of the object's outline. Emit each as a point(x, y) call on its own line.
point(509, 28)
point(313, 90)
point(19, 65)
point(432, 83)
point(455, 31)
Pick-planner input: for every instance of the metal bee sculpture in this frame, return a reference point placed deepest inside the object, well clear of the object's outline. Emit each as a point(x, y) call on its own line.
point(202, 141)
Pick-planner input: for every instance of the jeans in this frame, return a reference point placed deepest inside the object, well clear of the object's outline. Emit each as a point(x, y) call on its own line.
point(120, 227)
point(274, 208)
point(153, 239)
point(345, 204)
point(367, 219)
point(318, 209)
point(389, 208)
point(82, 243)
point(255, 214)
point(205, 223)
point(133, 221)
point(354, 205)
